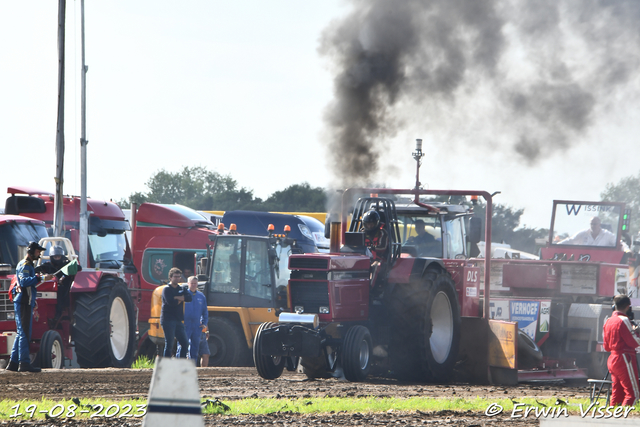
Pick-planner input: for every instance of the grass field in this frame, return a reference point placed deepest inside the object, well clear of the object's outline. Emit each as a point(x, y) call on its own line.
point(87, 408)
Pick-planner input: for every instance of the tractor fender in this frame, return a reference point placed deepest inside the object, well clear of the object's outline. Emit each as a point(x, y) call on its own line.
point(87, 280)
point(409, 269)
point(406, 270)
point(423, 264)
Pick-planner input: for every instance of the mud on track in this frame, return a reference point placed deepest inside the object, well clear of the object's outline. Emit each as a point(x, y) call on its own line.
point(237, 383)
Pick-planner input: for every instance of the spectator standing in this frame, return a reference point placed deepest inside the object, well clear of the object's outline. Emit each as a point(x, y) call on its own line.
point(172, 313)
point(196, 317)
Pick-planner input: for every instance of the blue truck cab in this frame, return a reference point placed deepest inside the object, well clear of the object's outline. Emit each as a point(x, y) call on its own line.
point(308, 231)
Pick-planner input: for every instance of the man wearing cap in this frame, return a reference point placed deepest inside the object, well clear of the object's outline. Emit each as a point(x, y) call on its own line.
point(24, 299)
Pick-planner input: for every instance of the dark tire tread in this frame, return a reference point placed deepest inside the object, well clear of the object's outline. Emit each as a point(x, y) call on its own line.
point(351, 353)
point(91, 329)
point(265, 364)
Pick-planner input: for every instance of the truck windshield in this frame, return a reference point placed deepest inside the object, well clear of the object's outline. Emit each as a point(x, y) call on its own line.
point(108, 250)
point(14, 239)
point(586, 224)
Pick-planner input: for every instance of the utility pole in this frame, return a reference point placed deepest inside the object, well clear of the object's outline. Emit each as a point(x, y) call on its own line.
point(58, 213)
point(84, 215)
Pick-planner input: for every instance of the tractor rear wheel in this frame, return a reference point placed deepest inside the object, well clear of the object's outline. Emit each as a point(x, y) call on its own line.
point(226, 342)
point(51, 353)
point(441, 326)
point(315, 367)
point(268, 367)
point(356, 353)
point(104, 330)
point(407, 308)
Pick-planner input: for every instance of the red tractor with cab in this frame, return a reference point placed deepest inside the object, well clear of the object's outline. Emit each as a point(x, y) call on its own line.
point(403, 315)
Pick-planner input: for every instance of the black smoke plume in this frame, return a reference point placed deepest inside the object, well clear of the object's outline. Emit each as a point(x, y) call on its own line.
point(537, 74)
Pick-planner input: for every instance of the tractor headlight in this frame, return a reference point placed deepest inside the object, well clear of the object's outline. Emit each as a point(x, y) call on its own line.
point(324, 310)
point(11, 316)
point(298, 309)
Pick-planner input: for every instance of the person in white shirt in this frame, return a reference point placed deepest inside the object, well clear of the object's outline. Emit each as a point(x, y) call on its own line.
point(593, 236)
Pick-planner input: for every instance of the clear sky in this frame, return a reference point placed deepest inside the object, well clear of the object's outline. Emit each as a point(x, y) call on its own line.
point(240, 88)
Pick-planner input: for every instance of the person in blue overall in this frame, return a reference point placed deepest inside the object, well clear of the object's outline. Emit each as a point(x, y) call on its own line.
point(174, 296)
point(24, 299)
point(196, 317)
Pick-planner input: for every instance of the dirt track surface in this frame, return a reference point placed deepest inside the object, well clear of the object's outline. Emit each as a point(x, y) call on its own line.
point(237, 383)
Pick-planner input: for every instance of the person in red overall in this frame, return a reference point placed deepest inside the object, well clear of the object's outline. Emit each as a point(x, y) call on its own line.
point(621, 340)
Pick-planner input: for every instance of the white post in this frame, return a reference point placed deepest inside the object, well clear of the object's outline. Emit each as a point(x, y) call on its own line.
point(84, 215)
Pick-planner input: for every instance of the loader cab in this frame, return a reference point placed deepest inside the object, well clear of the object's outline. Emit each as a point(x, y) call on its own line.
point(247, 271)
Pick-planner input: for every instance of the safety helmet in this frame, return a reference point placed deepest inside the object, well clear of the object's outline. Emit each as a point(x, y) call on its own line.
point(34, 246)
point(370, 220)
point(57, 251)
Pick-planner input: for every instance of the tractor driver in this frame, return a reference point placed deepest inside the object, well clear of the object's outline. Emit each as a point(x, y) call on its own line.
point(425, 243)
point(423, 237)
point(375, 236)
point(57, 260)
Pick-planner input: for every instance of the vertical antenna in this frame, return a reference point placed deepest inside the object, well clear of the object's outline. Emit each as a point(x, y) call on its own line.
point(417, 156)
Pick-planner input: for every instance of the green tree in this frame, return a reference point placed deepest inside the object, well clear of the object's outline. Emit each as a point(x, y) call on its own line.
point(195, 187)
point(202, 189)
point(505, 223)
point(298, 198)
point(627, 190)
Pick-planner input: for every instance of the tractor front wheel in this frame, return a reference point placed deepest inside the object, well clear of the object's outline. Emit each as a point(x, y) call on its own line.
point(51, 353)
point(356, 353)
point(268, 367)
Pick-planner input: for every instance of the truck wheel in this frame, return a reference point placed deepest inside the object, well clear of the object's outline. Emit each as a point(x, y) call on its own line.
point(356, 353)
point(597, 365)
point(268, 367)
point(441, 337)
point(104, 330)
point(51, 353)
point(226, 342)
point(529, 354)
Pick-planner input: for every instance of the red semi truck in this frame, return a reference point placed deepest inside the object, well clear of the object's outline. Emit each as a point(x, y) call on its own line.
point(110, 297)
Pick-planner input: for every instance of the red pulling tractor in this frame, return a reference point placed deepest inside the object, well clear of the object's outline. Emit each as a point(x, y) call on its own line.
point(407, 315)
point(418, 315)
